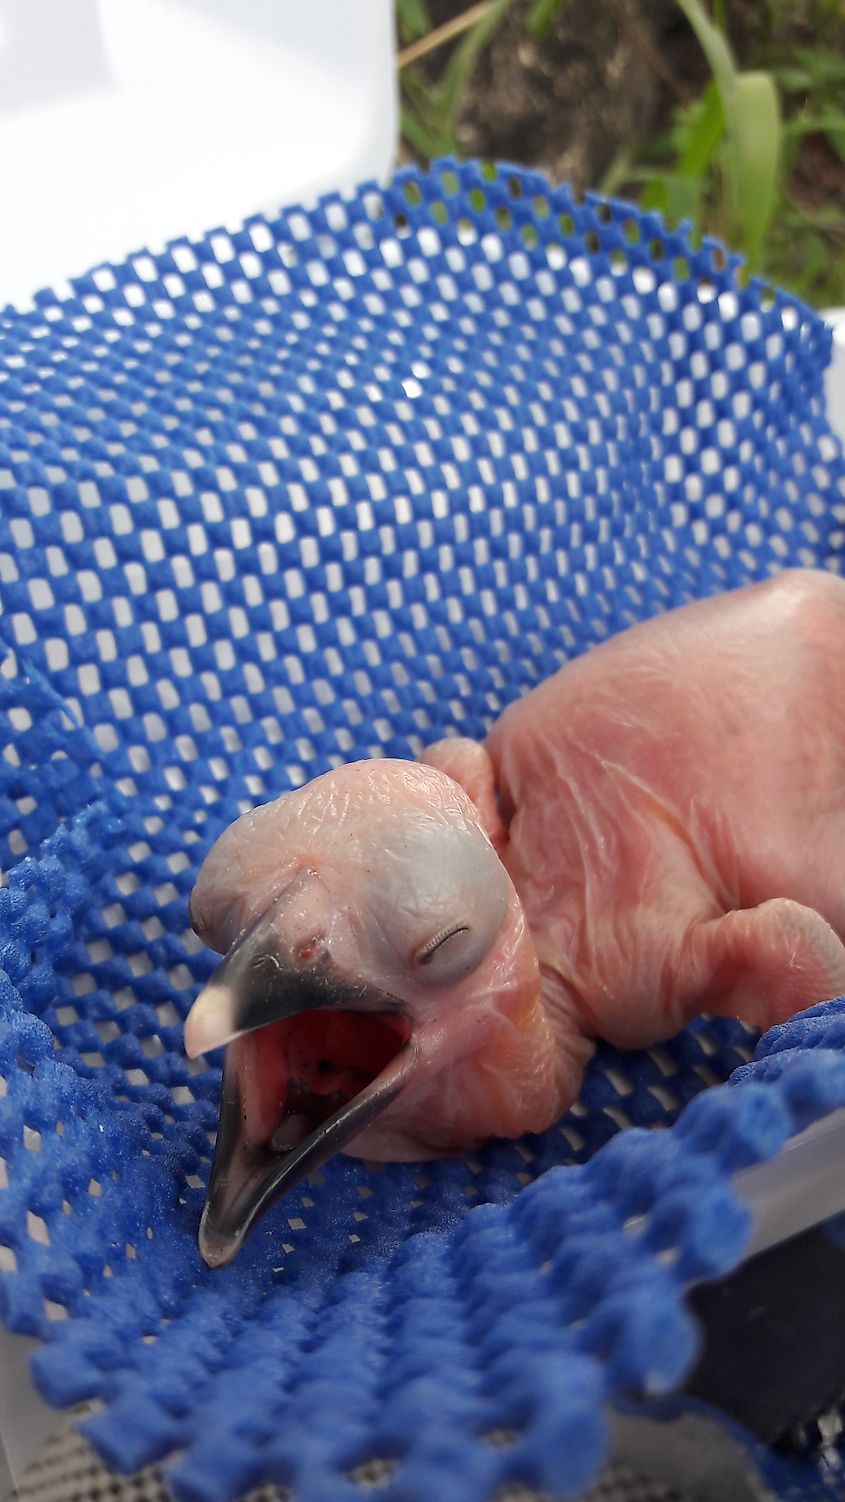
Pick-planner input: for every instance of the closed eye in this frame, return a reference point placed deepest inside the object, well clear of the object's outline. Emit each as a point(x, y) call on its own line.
point(429, 950)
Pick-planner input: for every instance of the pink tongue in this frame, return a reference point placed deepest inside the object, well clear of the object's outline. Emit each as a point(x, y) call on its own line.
point(262, 1071)
point(326, 1054)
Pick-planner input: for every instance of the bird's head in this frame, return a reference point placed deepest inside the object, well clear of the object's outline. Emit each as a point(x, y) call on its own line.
point(379, 992)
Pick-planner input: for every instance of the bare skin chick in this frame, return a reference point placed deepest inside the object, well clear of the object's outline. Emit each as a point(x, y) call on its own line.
point(421, 956)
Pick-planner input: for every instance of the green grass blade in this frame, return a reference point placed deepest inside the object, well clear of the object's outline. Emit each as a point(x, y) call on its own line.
point(677, 198)
point(541, 16)
point(426, 132)
point(617, 173)
point(753, 132)
point(722, 66)
point(413, 19)
point(654, 195)
point(714, 46)
point(461, 65)
point(427, 143)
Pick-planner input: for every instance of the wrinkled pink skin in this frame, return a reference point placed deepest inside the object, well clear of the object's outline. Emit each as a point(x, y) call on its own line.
point(670, 809)
point(673, 807)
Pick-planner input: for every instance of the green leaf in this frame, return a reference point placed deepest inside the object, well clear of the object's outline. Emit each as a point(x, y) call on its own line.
point(823, 216)
point(753, 132)
point(831, 123)
point(672, 195)
point(683, 196)
point(828, 123)
point(753, 160)
point(655, 195)
point(722, 66)
point(419, 113)
point(823, 67)
point(805, 262)
point(816, 256)
point(425, 142)
point(617, 174)
point(713, 45)
point(704, 131)
point(541, 16)
point(793, 80)
point(831, 126)
point(417, 88)
point(413, 19)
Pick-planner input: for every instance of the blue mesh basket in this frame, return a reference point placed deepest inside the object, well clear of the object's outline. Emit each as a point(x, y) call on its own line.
point(328, 487)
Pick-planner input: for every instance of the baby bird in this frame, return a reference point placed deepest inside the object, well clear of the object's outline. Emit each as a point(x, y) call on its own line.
point(420, 956)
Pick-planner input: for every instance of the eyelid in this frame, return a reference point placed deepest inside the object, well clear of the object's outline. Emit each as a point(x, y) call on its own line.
point(429, 949)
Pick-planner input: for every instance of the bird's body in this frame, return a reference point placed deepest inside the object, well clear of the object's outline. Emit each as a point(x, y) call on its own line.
point(690, 768)
point(664, 819)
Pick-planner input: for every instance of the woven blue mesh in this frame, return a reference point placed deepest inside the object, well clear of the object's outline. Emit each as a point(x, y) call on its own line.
point(327, 487)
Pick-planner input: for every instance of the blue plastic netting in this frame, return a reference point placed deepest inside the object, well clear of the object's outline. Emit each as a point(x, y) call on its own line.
point(330, 486)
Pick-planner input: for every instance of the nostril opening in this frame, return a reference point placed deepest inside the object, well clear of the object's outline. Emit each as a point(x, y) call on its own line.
point(306, 951)
point(195, 920)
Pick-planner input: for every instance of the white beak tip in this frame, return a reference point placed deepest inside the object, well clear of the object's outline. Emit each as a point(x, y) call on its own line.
point(210, 1022)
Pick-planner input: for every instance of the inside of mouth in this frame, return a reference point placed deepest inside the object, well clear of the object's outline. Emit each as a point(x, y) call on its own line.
point(310, 1067)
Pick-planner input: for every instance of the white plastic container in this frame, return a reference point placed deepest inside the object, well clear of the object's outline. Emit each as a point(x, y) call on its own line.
point(124, 123)
point(25, 1420)
point(835, 377)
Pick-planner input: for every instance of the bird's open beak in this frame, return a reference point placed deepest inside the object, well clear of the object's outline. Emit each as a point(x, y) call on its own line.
point(313, 1057)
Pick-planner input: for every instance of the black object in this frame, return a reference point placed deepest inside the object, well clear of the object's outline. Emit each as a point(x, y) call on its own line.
point(774, 1335)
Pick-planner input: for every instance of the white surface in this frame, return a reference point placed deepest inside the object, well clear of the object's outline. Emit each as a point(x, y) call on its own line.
point(125, 123)
point(25, 1420)
point(835, 376)
point(803, 1185)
